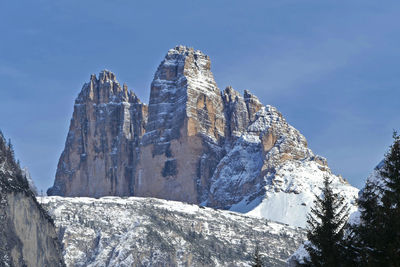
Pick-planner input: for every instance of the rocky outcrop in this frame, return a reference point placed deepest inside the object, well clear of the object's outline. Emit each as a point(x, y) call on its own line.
point(239, 111)
point(134, 231)
point(27, 233)
point(194, 144)
point(100, 153)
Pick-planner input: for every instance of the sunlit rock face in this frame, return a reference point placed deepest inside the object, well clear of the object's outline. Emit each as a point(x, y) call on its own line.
point(193, 143)
point(185, 129)
point(100, 152)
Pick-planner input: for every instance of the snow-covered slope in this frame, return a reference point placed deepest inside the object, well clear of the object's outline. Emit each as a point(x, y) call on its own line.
point(134, 231)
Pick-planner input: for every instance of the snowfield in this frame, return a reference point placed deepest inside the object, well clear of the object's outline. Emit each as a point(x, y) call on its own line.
point(134, 231)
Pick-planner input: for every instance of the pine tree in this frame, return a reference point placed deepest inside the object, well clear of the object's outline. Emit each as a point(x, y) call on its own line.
point(325, 231)
point(390, 236)
point(257, 260)
point(367, 239)
point(378, 234)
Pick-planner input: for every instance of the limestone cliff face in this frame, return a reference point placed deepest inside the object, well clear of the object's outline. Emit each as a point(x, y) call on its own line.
point(186, 123)
point(195, 144)
point(27, 234)
point(100, 153)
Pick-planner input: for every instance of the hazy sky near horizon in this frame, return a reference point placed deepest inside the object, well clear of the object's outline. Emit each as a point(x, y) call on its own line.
point(331, 67)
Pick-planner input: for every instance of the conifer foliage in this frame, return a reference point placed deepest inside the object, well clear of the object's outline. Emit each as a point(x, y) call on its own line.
point(257, 259)
point(326, 224)
point(367, 233)
point(391, 203)
point(11, 177)
point(378, 234)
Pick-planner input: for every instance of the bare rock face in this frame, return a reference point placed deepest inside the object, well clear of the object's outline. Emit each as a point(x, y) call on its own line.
point(194, 144)
point(100, 153)
point(186, 122)
point(27, 233)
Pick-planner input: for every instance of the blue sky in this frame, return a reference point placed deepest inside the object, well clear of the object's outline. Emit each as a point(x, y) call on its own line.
point(331, 67)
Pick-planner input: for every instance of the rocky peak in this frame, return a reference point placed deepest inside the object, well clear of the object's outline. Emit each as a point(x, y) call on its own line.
point(239, 110)
point(236, 113)
point(183, 87)
point(189, 63)
point(100, 152)
point(185, 119)
point(252, 103)
point(105, 89)
point(107, 76)
point(230, 95)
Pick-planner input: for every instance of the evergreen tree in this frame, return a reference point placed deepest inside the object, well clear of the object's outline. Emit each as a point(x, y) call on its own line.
point(257, 260)
point(390, 236)
point(378, 234)
point(367, 239)
point(351, 255)
point(325, 231)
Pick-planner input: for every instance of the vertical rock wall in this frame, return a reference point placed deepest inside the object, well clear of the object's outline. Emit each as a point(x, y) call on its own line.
point(100, 153)
point(185, 128)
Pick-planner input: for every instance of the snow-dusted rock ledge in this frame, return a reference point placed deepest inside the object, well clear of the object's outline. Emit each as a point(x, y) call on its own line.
point(134, 231)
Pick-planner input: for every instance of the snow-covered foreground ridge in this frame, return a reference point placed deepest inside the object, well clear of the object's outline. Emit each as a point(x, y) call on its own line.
point(134, 231)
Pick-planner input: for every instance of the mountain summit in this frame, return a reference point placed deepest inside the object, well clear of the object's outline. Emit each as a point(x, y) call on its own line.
point(192, 143)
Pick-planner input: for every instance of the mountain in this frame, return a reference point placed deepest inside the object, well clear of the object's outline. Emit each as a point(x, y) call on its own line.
point(27, 233)
point(192, 143)
point(113, 231)
point(100, 154)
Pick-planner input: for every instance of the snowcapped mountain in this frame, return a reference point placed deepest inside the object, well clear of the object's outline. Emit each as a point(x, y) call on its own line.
point(192, 143)
point(135, 231)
